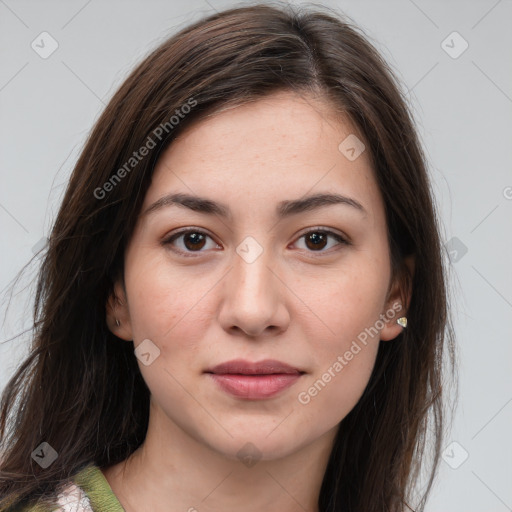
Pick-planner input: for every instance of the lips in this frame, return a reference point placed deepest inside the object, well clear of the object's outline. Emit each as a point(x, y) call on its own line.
point(254, 380)
point(242, 367)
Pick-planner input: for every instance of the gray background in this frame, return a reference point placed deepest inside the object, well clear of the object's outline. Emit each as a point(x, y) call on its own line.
point(463, 109)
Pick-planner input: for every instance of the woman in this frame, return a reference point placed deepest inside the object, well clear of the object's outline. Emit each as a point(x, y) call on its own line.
point(243, 301)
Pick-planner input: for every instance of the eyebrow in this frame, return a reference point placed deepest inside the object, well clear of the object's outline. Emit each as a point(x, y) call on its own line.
point(284, 208)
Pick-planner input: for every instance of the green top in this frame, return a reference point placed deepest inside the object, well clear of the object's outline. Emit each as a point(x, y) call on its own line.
point(90, 490)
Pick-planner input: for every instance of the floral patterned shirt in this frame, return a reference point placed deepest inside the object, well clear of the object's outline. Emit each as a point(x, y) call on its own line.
point(88, 491)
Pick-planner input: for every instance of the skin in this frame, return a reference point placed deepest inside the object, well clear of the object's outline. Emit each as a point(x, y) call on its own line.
point(293, 303)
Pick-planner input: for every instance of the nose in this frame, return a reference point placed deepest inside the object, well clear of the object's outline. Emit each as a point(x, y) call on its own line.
point(254, 299)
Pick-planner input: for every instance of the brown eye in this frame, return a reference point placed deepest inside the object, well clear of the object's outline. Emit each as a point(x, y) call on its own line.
point(189, 241)
point(193, 240)
point(318, 240)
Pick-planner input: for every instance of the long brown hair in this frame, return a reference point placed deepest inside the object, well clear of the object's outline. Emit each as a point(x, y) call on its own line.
point(80, 389)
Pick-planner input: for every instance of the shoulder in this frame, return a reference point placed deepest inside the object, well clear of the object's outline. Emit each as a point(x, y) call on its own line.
point(91, 482)
point(70, 499)
point(87, 491)
point(73, 499)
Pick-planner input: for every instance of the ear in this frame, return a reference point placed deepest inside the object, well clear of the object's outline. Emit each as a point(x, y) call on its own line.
point(397, 303)
point(118, 315)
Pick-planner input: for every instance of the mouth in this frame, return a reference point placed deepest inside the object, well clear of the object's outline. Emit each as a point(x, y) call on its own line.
point(254, 381)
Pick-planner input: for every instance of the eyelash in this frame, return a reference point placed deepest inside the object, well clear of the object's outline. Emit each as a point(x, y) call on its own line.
point(340, 239)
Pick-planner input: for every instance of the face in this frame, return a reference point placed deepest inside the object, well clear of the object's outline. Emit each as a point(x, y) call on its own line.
point(257, 270)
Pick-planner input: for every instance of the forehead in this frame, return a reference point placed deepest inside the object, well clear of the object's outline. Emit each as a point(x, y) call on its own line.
point(280, 147)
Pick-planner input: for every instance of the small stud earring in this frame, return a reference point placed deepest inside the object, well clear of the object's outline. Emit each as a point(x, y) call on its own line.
point(402, 321)
point(118, 323)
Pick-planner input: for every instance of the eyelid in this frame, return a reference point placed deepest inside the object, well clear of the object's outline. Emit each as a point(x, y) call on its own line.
point(329, 231)
point(342, 240)
point(188, 229)
point(166, 240)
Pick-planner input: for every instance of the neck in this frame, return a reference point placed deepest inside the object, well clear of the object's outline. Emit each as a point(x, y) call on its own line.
point(173, 471)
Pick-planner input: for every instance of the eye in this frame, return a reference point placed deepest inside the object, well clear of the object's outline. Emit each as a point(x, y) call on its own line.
point(317, 240)
point(194, 240)
point(190, 240)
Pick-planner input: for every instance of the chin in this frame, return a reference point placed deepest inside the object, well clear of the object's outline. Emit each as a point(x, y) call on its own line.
point(256, 444)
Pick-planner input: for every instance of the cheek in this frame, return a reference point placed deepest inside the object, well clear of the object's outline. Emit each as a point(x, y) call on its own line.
point(344, 360)
point(345, 302)
point(167, 304)
point(168, 307)
point(330, 395)
point(345, 346)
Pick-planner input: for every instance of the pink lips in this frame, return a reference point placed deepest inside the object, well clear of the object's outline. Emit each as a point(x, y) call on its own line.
point(254, 381)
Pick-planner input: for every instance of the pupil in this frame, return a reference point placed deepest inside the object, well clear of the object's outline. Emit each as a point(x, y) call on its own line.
point(196, 239)
point(316, 238)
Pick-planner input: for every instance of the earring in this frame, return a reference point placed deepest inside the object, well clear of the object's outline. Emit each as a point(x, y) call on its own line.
point(402, 321)
point(118, 323)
